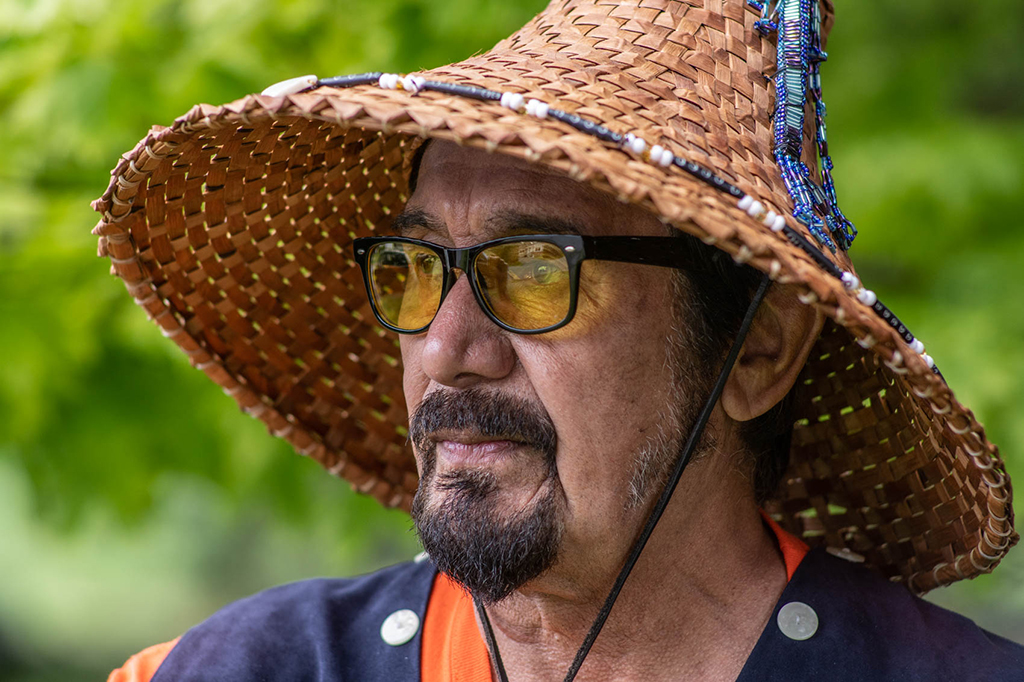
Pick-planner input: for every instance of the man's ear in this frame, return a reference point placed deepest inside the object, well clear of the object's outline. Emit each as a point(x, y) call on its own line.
point(773, 354)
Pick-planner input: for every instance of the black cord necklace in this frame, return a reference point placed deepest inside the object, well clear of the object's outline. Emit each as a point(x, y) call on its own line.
point(656, 513)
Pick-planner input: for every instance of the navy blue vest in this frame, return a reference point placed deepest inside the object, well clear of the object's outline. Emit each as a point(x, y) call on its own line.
point(329, 630)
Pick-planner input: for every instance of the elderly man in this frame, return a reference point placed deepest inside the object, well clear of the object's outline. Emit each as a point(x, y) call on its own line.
point(541, 455)
point(619, 433)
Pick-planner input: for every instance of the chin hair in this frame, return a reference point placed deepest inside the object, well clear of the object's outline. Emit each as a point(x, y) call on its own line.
point(470, 538)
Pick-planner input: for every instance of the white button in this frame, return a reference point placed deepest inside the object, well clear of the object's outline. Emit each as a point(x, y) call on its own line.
point(798, 621)
point(400, 627)
point(846, 553)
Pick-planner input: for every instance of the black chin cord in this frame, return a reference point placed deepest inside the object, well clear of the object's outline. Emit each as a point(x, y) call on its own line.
point(492, 645)
point(659, 508)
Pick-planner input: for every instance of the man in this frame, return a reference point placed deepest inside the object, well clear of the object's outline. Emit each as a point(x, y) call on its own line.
point(575, 509)
point(600, 402)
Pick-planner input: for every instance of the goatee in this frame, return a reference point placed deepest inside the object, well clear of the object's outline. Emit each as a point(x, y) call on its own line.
point(461, 521)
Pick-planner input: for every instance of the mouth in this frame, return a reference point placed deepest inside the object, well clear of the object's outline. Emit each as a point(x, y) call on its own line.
point(467, 449)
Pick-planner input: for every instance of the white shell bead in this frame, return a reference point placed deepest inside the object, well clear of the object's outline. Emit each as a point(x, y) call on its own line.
point(798, 621)
point(778, 224)
point(513, 101)
point(413, 84)
point(867, 342)
point(290, 86)
point(917, 346)
point(746, 202)
point(846, 553)
point(661, 156)
point(635, 144)
point(867, 297)
point(388, 81)
point(400, 627)
point(537, 108)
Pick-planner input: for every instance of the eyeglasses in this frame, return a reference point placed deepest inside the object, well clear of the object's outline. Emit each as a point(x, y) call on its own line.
point(525, 284)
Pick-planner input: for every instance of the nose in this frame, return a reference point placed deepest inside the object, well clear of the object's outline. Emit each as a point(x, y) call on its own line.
point(462, 346)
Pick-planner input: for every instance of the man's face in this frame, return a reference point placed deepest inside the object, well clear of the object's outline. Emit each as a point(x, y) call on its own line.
point(539, 450)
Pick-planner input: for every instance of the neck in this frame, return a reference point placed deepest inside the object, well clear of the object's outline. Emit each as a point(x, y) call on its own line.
point(693, 607)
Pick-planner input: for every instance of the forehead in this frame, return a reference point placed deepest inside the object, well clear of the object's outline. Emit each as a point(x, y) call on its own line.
point(464, 188)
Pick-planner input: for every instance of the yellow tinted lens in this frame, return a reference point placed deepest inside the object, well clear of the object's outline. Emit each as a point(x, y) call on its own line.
point(406, 282)
point(525, 284)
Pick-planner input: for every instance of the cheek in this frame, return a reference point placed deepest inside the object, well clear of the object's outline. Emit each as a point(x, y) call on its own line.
point(414, 381)
point(605, 382)
point(612, 296)
point(625, 313)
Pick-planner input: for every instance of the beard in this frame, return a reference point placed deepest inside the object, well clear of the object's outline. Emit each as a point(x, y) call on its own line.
point(458, 515)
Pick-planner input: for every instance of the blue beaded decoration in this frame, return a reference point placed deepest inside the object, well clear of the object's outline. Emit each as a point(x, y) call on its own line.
point(797, 24)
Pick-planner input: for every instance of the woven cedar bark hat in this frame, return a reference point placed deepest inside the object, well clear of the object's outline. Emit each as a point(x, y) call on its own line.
point(232, 228)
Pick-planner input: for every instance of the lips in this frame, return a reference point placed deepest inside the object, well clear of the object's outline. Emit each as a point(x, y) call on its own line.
point(469, 452)
point(472, 428)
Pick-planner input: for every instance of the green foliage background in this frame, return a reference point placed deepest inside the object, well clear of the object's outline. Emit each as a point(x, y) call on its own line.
point(135, 499)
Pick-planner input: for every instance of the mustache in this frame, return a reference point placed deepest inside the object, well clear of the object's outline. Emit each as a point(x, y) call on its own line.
point(494, 416)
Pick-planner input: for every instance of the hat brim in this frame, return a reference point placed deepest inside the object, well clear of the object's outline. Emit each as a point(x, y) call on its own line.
point(232, 228)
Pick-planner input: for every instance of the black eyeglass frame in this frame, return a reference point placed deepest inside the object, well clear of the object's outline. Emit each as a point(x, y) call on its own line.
point(660, 251)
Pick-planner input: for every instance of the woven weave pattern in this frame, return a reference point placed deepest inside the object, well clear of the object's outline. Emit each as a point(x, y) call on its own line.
point(233, 227)
point(903, 499)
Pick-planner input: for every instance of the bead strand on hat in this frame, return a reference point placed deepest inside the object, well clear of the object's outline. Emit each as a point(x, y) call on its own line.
point(767, 23)
point(870, 299)
point(797, 26)
point(657, 155)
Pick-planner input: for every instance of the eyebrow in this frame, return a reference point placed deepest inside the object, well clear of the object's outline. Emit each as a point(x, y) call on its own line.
point(406, 221)
point(508, 221)
point(502, 223)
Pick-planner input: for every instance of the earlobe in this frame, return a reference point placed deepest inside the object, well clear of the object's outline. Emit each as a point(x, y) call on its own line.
point(773, 354)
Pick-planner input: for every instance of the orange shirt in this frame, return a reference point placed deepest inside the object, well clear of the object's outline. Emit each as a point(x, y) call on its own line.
point(142, 666)
point(793, 549)
point(453, 649)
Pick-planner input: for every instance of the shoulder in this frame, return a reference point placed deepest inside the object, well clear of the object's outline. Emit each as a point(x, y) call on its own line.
point(305, 600)
point(142, 666)
point(870, 628)
point(319, 629)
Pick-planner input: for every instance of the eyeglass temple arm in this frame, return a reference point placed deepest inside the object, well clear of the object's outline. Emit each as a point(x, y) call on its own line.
point(666, 252)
